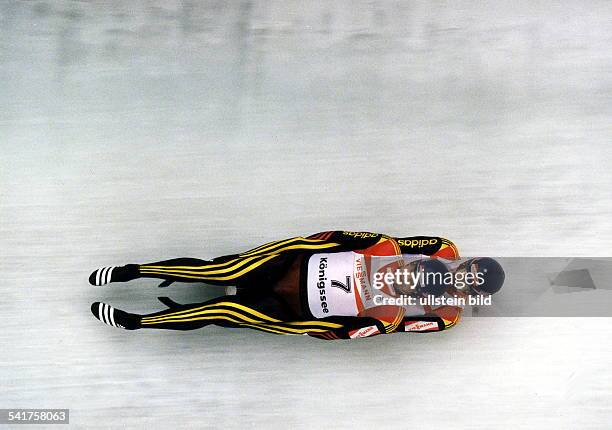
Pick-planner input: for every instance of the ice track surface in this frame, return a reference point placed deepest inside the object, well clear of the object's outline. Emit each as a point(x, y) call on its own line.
point(149, 130)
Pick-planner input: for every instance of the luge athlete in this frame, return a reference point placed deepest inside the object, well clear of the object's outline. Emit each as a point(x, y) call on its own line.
point(319, 285)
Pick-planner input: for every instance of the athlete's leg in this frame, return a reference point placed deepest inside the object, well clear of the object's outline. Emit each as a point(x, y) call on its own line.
point(227, 311)
point(230, 270)
point(264, 313)
point(227, 270)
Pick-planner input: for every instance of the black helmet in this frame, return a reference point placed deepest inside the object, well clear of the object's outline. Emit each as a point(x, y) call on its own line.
point(490, 275)
point(432, 278)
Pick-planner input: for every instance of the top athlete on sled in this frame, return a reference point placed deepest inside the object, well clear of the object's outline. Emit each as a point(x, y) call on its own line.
point(329, 285)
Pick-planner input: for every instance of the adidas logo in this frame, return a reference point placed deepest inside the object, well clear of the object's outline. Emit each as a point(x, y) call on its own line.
point(114, 317)
point(101, 276)
point(106, 314)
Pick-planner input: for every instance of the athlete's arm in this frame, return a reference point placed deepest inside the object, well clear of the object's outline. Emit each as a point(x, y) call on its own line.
point(371, 322)
point(427, 245)
point(368, 327)
point(352, 328)
point(422, 324)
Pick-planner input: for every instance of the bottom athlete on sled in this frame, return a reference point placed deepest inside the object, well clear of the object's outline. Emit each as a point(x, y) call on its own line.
point(324, 285)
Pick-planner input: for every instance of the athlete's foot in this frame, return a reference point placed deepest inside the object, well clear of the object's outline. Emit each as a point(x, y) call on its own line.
point(105, 275)
point(114, 317)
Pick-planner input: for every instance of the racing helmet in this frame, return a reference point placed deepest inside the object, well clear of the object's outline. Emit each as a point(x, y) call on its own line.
point(489, 275)
point(432, 280)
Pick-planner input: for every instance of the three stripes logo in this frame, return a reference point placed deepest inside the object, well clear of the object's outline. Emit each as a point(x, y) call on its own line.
point(106, 314)
point(103, 275)
point(344, 287)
